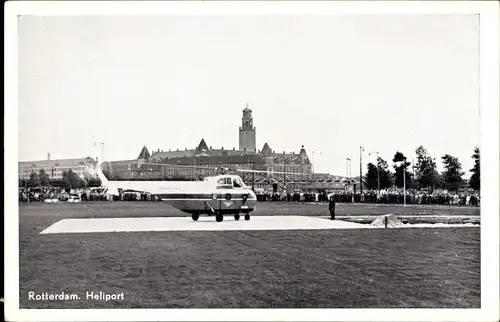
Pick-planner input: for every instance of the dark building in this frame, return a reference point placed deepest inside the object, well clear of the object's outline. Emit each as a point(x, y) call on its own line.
point(202, 161)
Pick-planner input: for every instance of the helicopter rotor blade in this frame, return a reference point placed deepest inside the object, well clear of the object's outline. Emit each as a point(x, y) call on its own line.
point(232, 170)
point(337, 178)
point(181, 165)
point(272, 172)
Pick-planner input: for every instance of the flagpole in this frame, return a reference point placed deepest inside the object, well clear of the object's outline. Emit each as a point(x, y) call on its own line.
point(102, 150)
point(361, 171)
point(404, 186)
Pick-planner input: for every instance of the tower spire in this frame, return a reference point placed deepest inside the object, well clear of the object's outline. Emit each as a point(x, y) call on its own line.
point(247, 131)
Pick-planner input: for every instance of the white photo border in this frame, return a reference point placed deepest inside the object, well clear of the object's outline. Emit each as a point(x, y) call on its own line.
point(489, 101)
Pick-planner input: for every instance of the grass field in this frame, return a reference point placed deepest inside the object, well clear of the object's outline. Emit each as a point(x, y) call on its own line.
point(413, 267)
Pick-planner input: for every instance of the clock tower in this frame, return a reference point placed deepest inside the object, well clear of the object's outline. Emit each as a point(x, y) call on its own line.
point(247, 131)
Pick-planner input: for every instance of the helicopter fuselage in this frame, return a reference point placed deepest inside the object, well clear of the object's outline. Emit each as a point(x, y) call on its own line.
point(219, 195)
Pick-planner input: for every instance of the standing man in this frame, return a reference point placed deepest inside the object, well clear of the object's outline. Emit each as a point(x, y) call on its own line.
point(331, 207)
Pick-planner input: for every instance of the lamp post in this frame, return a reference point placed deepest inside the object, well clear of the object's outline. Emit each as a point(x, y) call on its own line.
point(378, 172)
point(361, 149)
point(413, 168)
point(433, 177)
point(348, 171)
point(102, 149)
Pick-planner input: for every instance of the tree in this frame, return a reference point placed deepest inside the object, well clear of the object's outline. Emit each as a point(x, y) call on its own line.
point(399, 181)
point(91, 180)
point(59, 183)
point(94, 182)
point(452, 174)
point(23, 183)
point(384, 174)
point(425, 169)
point(475, 179)
point(72, 179)
point(372, 176)
point(439, 182)
point(34, 181)
point(44, 178)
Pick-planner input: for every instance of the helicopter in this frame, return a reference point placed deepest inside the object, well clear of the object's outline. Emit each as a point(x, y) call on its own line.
point(224, 194)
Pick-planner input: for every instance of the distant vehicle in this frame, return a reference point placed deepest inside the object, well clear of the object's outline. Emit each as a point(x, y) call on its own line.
point(131, 195)
point(74, 199)
point(99, 190)
point(259, 191)
point(64, 196)
point(96, 193)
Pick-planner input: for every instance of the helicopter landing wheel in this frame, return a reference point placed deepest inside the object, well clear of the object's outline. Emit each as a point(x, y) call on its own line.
point(247, 217)
point(195, 217)
point(219, 217)
point(236, 216)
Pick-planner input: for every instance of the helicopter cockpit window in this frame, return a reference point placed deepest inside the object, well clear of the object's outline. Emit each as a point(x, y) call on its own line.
point(237, 183)
point(224, 183)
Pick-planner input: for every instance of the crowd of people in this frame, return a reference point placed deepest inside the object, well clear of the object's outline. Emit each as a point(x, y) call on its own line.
point(394, 196)
point(437, 197)
point(42, 194)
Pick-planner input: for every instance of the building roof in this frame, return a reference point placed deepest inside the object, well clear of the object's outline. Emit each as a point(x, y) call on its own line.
point(58, 162)
point(215, 160)
point(215, 156)
point(303, 156)
point(198, 152)
point(266, 149)
point(289, 157)
point(173, 154)
point(144, 153)
point(202, 147)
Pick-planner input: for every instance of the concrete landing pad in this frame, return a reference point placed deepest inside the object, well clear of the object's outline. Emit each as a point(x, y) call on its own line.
point(100, 225)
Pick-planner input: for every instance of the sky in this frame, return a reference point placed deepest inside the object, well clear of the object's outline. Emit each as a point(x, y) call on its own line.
point(331, 83)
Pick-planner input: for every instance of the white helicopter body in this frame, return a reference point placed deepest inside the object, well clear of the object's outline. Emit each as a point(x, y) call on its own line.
point(218, 195)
